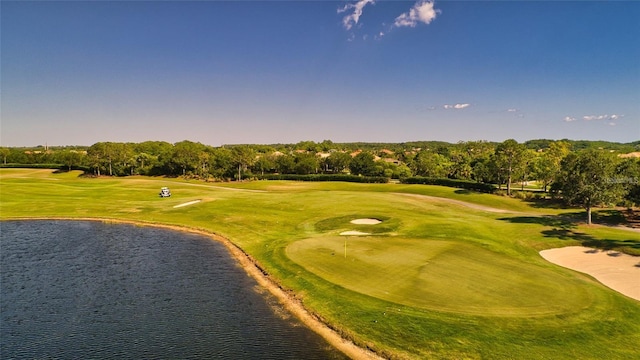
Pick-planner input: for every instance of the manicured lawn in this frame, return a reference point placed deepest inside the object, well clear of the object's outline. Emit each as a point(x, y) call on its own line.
point(436, 279)
point(439, 275)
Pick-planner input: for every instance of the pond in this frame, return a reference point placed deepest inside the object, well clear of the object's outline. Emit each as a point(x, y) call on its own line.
point(86, 289)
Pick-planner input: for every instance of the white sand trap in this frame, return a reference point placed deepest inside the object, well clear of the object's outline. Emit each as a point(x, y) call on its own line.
point(366, 221)
point(354, 233)
point(618, 271)
point(187, 203)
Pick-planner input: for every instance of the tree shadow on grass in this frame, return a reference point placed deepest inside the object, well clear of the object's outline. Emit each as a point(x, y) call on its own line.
point(563, 221)
point(564, 227)
point(546, 203)
point(610, 217)
point(466, 192)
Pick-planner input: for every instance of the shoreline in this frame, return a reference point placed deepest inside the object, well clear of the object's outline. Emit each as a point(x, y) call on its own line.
point(293, 305)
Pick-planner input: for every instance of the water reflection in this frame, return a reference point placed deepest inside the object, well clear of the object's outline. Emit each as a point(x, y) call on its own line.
point(79, 289)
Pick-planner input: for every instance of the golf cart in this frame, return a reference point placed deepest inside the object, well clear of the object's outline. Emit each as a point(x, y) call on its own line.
point(165, 192)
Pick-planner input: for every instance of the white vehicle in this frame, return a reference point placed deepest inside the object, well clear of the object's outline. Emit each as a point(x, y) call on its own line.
point(165, 192)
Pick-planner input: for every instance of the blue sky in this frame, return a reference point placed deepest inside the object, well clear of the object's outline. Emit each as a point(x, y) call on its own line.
point(227, 72)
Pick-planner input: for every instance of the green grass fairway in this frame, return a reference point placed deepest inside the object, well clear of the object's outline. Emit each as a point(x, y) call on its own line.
point(440, 275)
point(447, 274)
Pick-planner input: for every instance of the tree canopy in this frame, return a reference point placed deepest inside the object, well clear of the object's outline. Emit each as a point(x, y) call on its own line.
point(583, 173)
point(587, 179)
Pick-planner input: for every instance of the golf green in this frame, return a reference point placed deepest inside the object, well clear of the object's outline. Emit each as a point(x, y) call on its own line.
point(439, 275)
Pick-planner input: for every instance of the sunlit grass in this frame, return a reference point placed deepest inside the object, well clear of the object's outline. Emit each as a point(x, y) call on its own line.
point(435, 280)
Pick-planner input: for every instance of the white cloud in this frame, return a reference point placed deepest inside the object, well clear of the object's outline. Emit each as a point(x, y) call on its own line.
point(609, 119)
point(602, 117)
point(456, 106)
point(512, 110)
point(353, 18)
point(421, 12)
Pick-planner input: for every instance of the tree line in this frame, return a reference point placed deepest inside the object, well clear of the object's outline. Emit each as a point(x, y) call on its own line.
point(580, 172)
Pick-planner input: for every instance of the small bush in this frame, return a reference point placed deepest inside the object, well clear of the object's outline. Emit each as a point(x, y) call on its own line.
point(524, 195)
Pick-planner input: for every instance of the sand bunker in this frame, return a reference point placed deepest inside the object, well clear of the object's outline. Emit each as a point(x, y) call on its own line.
point(366, 221)
point(187, 203)
point(618, 271)
point(354, 233)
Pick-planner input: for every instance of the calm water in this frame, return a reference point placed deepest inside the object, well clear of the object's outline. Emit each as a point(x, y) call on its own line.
point(80, 290)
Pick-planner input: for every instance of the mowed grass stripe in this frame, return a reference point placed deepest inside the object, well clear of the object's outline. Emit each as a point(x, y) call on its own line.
point(439, 275)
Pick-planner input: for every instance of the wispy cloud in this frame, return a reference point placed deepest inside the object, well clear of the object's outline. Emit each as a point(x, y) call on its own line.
point(422, 11)
point(515, 112)
point(356, 11)
point(602, 117)
point(456, 106)
point(610, 119)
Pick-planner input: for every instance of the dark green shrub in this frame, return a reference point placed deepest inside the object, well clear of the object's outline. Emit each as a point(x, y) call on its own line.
point(325, 177)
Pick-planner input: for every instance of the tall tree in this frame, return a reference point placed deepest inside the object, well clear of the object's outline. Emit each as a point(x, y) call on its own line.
point(431, 164)
point(628, 173)
point(96, 156)
point(509, 156)
point(264, 162)
point(363, 164)
point(243, 157)
point(338, 161)
point(4, 152)
point(285, 164)
point(306, 163)
point(71, 158)
point(529, 157)
point(186, 155)
point(222, 166)
point(109, 155)
point(460, 165)
point(547, 165)
point(587, 179)
point(142, 160)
